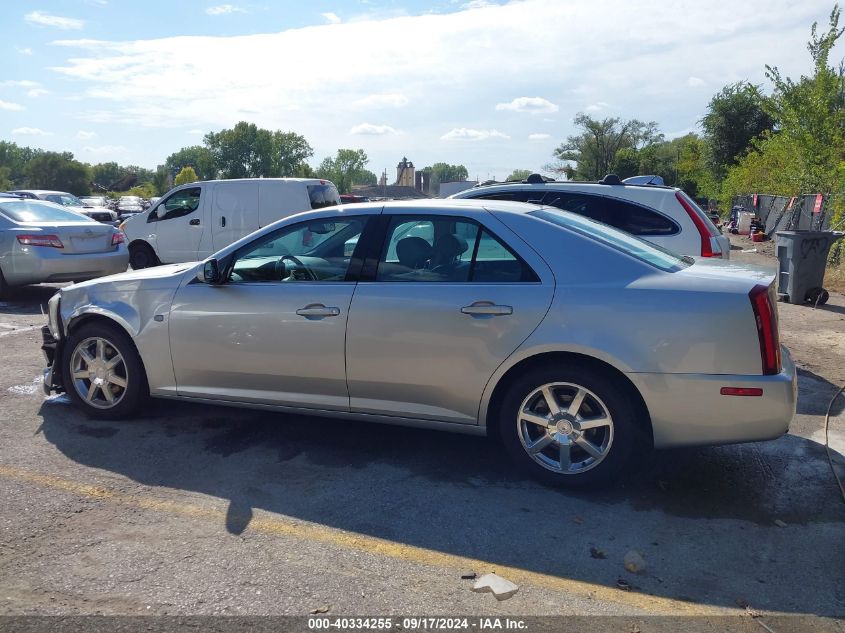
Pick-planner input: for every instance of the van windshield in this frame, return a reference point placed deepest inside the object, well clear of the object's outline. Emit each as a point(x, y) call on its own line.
point(323, 195)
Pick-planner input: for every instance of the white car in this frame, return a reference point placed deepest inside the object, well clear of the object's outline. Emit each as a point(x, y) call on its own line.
point(665, 216)
point(71, 202)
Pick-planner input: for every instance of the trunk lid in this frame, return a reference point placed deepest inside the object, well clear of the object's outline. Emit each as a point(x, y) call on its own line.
point(78, 238)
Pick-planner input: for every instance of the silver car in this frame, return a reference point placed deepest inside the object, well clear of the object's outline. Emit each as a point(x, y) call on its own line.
point(576, 344)
point(42, 242)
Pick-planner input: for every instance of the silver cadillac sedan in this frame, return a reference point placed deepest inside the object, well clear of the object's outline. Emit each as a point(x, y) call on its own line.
point(43, 242)
point(574, 343)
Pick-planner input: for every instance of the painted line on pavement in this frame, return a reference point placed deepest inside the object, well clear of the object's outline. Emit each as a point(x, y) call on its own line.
point(283, 526)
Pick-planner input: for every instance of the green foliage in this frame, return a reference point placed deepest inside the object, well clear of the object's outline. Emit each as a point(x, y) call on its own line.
point(345, 169)
point(518, 174)
point(365, 177)
point(444, 172)
point(185, 176)
point(145, 190)
point(735, 116)
point(52, 170)
point(806, 152)
point(13, 162)
point(590, 154)
point(199, 157)
point(161, 181)
point(247, 151)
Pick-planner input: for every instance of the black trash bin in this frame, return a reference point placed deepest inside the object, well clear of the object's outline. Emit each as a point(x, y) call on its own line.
point(802, 257)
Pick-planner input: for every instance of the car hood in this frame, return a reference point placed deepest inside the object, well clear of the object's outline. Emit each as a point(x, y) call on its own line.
point(156, 278)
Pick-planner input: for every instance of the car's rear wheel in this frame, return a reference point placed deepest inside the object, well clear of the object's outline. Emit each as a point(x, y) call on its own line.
point(574, 427)
point(4, 287)
point(142, 256)
point(103, 373)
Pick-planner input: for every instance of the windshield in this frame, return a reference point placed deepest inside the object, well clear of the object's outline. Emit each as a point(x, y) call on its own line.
point(38, 211)
point(647, 252)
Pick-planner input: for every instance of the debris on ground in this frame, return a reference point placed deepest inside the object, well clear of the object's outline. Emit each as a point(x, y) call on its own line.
point(634, 562)
point(623, 584)
point(750, 250)
point(468, 575)
point(597, 553)
point(780, 523)
point(324, 609)
point(501, 588)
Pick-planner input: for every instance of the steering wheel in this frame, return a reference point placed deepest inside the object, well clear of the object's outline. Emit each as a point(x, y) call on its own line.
point(298, 262)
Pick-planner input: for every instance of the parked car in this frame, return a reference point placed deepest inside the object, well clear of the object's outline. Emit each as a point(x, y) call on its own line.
point(95, 201)
point(93, 211)
point(665, 216)
point(577, 344)
point(128, 206)
point(44, 242)
point(194, 220)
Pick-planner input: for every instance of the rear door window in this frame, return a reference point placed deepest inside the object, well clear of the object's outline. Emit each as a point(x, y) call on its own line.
point(626, 216)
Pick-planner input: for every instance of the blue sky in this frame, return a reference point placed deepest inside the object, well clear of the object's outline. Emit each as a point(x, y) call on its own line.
point(491, 85)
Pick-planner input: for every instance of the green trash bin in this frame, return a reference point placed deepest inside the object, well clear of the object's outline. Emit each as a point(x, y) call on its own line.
point(802, 257)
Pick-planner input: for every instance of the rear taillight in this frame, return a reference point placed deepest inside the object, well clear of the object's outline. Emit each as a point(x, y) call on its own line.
point(700, 222)
point(117, 238)
point(51, 241)
point(765, 315)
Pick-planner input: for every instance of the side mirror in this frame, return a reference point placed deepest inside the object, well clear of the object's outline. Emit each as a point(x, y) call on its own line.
point(210, 272)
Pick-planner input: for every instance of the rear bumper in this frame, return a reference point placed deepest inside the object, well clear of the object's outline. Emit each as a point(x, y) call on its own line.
point(50, 265)
point(688, 410)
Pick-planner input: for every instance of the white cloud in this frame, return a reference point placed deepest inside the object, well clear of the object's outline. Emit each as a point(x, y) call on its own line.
point(108, 150)
point(30, 131)
point(36, 92)
point(46, 19)
point(538, 136)
point(696, 82)
point(597, 107)
point(331, 18)
point(224, 9)
point(477, 4)
point(195, 132)
point(368, 129)
point(24, 51)
point(389, 100)
point(533, 105)
point(11, 107)
point(469, 134)
point(85, 135)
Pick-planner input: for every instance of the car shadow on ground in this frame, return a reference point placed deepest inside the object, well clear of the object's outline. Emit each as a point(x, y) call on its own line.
point(459, 494)
point(27, 300)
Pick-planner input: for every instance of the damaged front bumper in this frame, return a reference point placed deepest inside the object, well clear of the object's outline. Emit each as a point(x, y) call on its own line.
point(52, 352)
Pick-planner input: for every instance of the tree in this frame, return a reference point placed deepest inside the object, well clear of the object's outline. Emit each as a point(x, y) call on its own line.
point(185, 176)
point(196, 156)
point(290, 151)
point(107, 175)
point(590, 154)
point(161, 180)
point(518, 174)
point(14, 160)
point(365, 177)
point(444, 172)
point(736, 115)
point(52, 170)
point(345, 169)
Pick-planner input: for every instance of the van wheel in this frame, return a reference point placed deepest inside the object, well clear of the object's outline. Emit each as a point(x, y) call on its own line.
point(573, 427)
point(142, 256)
point(103, 373)
point(4, 287)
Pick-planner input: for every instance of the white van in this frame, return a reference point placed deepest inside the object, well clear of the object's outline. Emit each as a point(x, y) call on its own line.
point(193, 221)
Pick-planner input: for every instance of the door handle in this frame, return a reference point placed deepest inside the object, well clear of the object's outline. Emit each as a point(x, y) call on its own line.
point(486, 308)
point(317, 310)
point(223, 221)
point(194, 222)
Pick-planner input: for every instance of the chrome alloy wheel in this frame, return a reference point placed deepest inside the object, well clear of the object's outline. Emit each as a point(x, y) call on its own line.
point(99, 372)
point(565, 428)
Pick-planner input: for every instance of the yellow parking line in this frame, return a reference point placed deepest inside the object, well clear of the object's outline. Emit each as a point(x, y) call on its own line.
point(283, 526)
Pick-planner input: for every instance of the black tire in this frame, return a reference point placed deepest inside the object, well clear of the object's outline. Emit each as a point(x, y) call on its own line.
point(4, 287)
point(606, 392)
point(142, 256)
point(130, 397)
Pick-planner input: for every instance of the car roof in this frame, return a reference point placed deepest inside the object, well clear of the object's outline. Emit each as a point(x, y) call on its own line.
point(561, 185)
point(39, 192)
point(439, 206)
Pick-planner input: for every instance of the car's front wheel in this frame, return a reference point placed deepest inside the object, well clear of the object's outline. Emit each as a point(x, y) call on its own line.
point(574, 427)
point(103, 373)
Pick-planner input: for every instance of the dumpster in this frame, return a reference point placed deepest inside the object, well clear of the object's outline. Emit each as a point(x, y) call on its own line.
point(802, 256)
